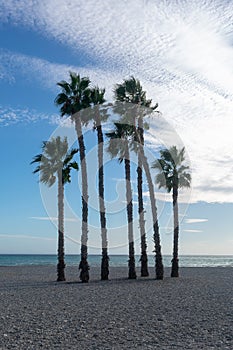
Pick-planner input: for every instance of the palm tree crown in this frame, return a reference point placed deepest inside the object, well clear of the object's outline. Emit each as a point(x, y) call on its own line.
point(54, 159)
point(173, 172)
point(75, 95)
point(131, 91)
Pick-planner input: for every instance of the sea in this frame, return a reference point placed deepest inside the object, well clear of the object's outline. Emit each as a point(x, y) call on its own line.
point(117, 260)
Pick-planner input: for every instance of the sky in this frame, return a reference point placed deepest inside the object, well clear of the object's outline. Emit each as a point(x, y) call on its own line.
point(182, 52)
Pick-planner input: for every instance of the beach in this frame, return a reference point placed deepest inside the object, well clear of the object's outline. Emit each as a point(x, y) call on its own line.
point(194, 311)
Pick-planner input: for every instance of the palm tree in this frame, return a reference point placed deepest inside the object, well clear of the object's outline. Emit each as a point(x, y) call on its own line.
point(131, 91)
point(55, 164)
point(74, 98)
point(119, 147)
point(173, 174)
point(97, 98)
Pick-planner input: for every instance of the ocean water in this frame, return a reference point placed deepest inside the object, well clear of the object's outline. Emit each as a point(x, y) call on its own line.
point(117, 260)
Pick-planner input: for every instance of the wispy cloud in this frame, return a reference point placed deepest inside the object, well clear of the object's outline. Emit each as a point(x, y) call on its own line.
point(184, 197)
point(47, 74)
point(193, 221)
point(27, 237)
point(192, 231)
point(47, 218)
point(118, 179)
point(133, 202)
point(10, 116)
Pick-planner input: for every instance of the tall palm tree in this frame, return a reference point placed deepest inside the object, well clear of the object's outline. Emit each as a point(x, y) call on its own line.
point(97, 98)
point(173, 174)
point(74, 98)
point(119, 147)
point(131, 91)
point(55, 163)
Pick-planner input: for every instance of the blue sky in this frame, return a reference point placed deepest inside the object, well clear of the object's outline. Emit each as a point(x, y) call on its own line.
point(181, 51)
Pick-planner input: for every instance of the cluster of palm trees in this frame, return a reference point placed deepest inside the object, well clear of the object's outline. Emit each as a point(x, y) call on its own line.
point(126, 136)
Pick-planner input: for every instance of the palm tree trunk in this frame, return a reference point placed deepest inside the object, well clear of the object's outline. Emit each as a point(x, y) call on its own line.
point(83, 266)
point(60, 251)
point(175, 260)
point(129, 200)
point(158, 255)
point(144, 258)
point(105, 257)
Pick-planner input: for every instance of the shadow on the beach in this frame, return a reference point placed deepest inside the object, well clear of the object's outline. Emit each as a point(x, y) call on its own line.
point(116, 280)
point(47, 284)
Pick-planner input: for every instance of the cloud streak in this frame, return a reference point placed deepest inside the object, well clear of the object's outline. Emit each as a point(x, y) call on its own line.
point(194, 221)
point(48, 218)
point(26, 237)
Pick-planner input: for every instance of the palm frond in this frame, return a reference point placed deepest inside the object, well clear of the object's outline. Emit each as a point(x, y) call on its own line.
point(70, 156)
point(36, 170)
point(182, 168)
point(160, 180)
point(74, 80)
point(36, 159)
point(113, 148)
point(61, 99)
point(84, 83)
point(65, 87)
point(185, 180)
point(74, 165)
point(97, 96)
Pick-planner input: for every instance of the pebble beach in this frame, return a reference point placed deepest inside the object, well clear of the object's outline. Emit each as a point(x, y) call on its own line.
point(194, 311)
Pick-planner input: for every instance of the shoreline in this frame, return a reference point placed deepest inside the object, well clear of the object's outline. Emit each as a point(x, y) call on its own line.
point(194, 311)
point(115, 260)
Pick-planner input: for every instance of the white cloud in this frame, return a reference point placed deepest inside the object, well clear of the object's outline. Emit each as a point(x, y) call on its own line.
point(10, 116)
point(118, 179)
point(192, 231)
point(48, 218)
point(184, 196)
point(133, 202)
point(47, 74)
point(181, 51)
point(26, 237)
point(193, 221)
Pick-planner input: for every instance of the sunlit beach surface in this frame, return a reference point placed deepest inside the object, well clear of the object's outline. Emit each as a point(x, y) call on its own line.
point(194, 311)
